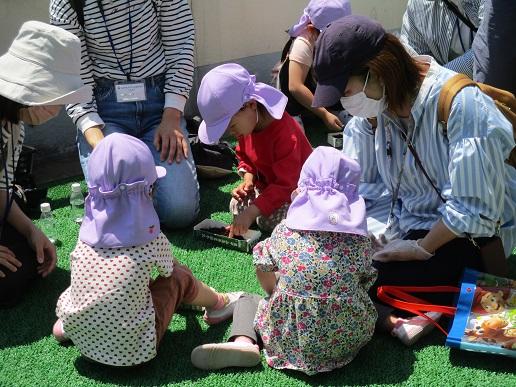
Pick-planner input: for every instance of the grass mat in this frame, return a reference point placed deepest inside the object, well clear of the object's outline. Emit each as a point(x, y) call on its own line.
point(29, 356)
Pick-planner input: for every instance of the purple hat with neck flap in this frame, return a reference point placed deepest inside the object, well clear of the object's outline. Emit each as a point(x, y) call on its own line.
point(320, 13)
point(118, 210)
point(223, 92)
point(327, 198)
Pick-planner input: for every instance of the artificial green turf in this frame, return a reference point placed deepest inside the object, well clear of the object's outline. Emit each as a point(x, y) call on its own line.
point(29, 356)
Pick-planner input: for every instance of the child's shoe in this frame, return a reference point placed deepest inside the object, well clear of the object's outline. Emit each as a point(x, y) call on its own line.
point(411, 330)
point(230, 354)
point(215, 316)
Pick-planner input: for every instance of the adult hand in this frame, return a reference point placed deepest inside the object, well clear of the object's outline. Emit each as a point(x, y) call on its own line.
point(8, 260)
point(332, 122)
point(45, 251)
point(169, 139)
point(243, 221)
point(402, 250)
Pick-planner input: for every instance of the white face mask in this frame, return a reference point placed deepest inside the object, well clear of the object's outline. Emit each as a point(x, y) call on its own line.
point(36, 115)
point(360, 105)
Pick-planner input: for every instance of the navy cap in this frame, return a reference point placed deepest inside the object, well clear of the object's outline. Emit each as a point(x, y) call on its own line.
point(344, 45)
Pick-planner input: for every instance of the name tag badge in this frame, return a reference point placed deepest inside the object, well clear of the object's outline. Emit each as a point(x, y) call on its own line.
point(130, 91)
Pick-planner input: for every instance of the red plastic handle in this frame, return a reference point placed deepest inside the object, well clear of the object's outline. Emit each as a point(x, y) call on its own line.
point(399, 297)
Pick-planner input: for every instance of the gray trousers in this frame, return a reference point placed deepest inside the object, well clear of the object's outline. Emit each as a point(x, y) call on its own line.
point(243, 317)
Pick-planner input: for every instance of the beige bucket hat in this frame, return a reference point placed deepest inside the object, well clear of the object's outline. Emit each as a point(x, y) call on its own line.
point(42, 67)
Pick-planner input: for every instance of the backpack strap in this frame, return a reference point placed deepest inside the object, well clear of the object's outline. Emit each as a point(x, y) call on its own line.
point(78, 7)
point(448, 93)
point(500, 97)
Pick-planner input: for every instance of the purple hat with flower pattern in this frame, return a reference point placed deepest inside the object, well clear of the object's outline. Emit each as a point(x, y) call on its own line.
point(118, 211)
point(327, 198)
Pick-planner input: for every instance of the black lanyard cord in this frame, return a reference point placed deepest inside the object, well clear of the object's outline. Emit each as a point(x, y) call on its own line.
point(101, 9)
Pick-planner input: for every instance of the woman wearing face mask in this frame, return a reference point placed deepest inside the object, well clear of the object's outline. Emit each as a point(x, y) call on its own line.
point(431, 226)
point(38, 74)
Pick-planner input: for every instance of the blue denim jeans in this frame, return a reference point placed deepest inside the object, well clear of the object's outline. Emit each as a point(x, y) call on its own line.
point(176, 197)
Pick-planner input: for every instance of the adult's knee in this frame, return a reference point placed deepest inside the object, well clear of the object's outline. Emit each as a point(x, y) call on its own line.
point(178, 212)
point(177, 196)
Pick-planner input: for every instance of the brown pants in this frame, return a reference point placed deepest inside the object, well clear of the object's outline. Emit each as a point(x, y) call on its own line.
point(168, 292)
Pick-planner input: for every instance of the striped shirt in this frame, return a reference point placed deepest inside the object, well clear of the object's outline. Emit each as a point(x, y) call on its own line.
point(430, 28)
point(467, 165)
point(162, 43)
point(13, 135)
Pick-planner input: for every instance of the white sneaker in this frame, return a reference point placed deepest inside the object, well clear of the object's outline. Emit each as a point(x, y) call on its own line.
point(212, 316)
point(231, 354)
point(411, 330)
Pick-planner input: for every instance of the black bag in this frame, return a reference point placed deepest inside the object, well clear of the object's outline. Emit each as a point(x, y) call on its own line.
point(212, 161)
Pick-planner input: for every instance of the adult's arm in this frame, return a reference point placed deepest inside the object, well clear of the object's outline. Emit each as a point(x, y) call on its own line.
point(44, 249)
point(177, 38)
point(83, 115)
point(480, 139)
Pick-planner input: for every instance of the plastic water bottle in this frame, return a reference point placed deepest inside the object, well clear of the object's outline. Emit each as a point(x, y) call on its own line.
point(77, 203)
point(47, 222)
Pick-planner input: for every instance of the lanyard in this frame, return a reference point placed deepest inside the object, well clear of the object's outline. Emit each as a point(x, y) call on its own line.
point(395, 190)
point(101, 8)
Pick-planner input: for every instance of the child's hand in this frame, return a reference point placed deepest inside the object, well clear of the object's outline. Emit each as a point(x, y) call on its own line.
point(378, 243)
point(243, 189)
point(243, 221)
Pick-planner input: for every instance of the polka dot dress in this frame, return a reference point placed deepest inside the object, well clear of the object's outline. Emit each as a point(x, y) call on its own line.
point(107, 311)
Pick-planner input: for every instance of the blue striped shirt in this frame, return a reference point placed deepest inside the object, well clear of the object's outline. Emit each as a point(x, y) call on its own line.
point(467, 165)
point(430, 28)
point(163, 37)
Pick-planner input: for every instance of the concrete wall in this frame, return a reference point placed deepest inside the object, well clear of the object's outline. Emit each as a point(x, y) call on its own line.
point(249, 32)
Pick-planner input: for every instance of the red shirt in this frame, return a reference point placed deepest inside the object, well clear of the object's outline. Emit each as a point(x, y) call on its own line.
point(274, 156)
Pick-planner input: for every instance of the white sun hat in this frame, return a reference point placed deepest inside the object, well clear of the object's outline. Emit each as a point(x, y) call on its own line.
point(42, 67)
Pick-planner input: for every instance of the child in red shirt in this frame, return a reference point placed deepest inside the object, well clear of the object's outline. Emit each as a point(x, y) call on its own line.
point(271, 146)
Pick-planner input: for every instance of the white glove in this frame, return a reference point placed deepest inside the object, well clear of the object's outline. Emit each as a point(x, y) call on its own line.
point(402, 250)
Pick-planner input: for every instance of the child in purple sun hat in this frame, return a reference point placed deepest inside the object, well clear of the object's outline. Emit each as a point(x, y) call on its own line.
point(316, 268)
point(113, 311)
point(271, 146)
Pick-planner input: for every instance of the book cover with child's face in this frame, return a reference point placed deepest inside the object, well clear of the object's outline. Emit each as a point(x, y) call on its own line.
point(492, 320)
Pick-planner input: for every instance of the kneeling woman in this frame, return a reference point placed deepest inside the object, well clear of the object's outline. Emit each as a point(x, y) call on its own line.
point(38, 75)
point(437, 221)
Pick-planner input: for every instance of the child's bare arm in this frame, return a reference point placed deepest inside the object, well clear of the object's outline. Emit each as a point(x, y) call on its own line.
point(267, 280)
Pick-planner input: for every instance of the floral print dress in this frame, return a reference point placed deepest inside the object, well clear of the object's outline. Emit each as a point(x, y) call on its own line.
point(319, 315)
